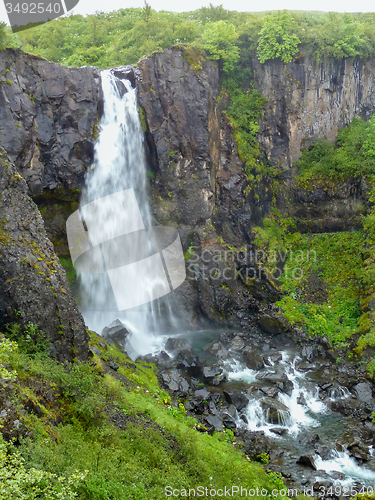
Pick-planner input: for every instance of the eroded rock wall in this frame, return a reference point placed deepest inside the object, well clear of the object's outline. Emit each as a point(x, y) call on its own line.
point(309, 100)
point(33, 286)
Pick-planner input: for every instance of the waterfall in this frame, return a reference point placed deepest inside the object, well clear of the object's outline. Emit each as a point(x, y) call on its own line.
point(120, 165)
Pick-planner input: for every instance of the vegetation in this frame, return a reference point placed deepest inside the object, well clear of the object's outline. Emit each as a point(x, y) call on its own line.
point(352, 155)
point(277, 38)
point(244, 111)
point(125, 36)
point(218, 39)
point(100, 433)
point(327, 280)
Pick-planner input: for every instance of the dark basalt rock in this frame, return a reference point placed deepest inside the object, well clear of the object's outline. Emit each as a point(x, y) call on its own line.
point(116, 333)
point(364, 392)
point(280, 380)
point(237, 399)
point(215, 422)
point(33, 286)
point(175, 382)
point(276, 411)
point(252, 360)
point(273, 323)
point(307, 461)
point(214, 375)
point(176, 345)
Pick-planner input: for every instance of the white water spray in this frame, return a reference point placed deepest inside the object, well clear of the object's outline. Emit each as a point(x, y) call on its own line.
point(119, 165)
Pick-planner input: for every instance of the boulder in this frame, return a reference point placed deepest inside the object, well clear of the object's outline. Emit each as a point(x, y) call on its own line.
point(307, 461)
point(363, 391)
point(273, 323)
point(280, 380)
point(214, 375)
point(218, 350)
point(215, 422)
point(276, 412)
point(116, 333)
point(175, 382)
point(237, 399)
point(174, 346)
point(252, 360)
point(237, 344)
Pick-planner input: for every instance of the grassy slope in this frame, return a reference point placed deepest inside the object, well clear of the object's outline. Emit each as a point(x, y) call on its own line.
point(121, 428)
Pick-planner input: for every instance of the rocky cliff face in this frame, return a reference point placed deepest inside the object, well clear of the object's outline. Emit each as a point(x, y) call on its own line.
point(33, 286)
point(197, 181)
point(48, 124)
point(308, 101)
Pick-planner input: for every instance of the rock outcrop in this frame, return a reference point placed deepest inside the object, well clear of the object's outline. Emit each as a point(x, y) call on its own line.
point(309, 101)
point(33, 286)
point(197, 183)
point(49, 117)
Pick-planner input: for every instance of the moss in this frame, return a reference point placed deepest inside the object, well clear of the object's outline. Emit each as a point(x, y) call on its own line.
point(142, 116)
point(193, 56)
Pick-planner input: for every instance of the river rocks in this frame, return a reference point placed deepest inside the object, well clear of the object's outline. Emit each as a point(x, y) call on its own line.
point(238, 399)
point(218, 350)
point(364, 392)
point(215, 422)
point(175, 382)
point(252, 360)
point(116, 333)
point(191, 364)
point(276, 412)
point(175, 345)
point(280, 380)
point(273, 323)
point(359, 450)
point(237, 344)
point(214, 375)
point(33, 286)
point(272, 358)
point(307, 461)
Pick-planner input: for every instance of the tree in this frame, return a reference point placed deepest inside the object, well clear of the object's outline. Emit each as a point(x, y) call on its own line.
point(219, 40)
point(3, 36)
point(277, 38)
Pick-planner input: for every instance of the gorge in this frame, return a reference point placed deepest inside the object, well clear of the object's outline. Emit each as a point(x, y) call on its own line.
point(242, 364)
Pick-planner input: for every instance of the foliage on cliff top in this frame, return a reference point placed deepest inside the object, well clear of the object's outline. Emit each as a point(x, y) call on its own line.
point(126, 35)
point(112, 433)
point(277, 38)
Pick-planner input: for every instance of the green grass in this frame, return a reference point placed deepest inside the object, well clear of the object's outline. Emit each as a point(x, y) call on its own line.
point(331, 264)
point(153, 445)
point(352, 155)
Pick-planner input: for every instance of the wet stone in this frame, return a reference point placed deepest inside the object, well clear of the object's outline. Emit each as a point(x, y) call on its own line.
point(307, 461)
point(173, 346)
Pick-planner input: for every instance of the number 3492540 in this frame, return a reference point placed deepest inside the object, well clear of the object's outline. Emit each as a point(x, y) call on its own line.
point(33, 8)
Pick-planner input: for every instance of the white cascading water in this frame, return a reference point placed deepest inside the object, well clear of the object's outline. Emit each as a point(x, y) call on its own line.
point(119, 165)
point(300, 416)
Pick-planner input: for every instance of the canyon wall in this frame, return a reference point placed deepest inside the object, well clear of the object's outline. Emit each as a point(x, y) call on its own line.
point(49, 123)
point(309, 101)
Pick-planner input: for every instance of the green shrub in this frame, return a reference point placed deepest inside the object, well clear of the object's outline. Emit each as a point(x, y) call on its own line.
point(30, 339)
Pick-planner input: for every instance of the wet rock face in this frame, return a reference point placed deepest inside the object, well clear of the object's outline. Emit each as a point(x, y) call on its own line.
point(48, 118)
point(308, 101)
point(182, 117)
point(33, 286)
